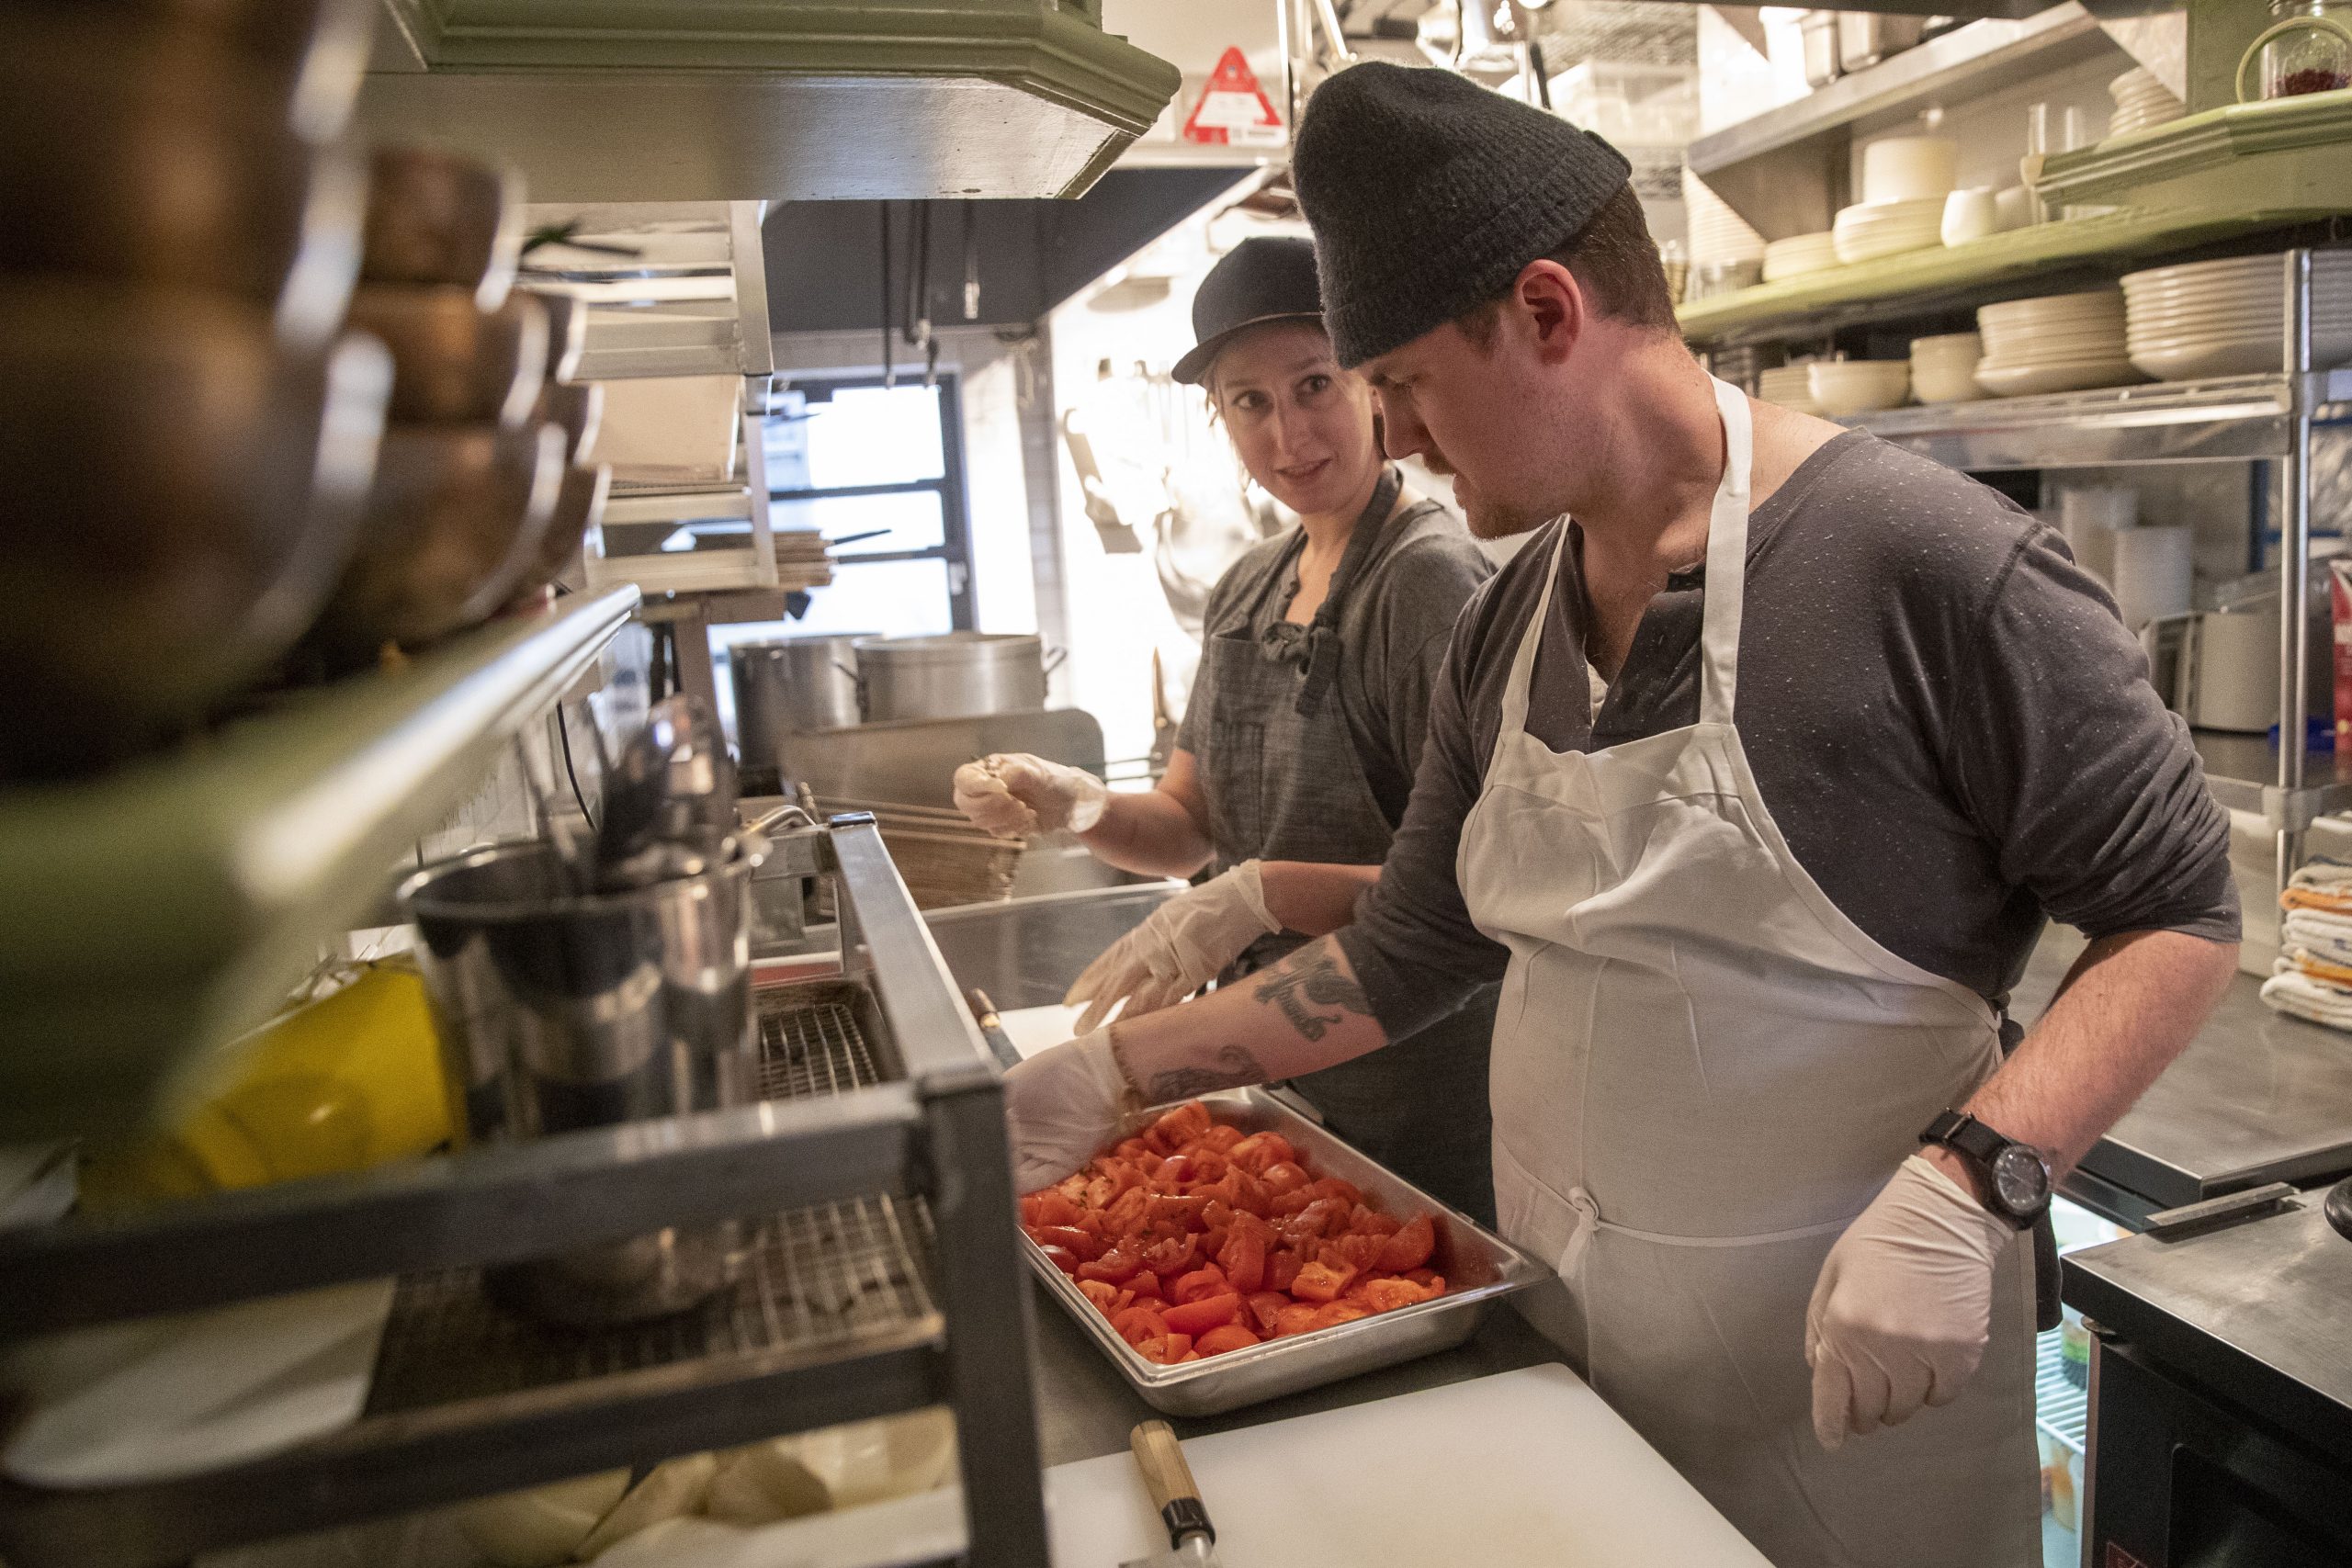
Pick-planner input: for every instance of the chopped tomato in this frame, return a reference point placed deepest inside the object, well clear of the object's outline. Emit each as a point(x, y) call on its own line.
point(1348, 1192)
point(1424, 1277)
point(1136, 1323)
point(1205, 1281)
point(1227, 1337)
point(1322, 1217)
point(1243, 1259)
point(1176, 1211)
point(1198, 1317)
point(1048, 1208)
point(1221, 1136)
point(1062, 1259)
point(1284, 1176)
point(1358, 1252)
point(1264, 1307)
point(1369, 1221)
point(1084, 1245)
point(1209, 1167)
point(1116, 1267)
point(1145, 1286)
point(1255, 1153)
point(1295, 1318)
point(1172, 1254)
point(1166, 1348)
point(1125, 1214)
point(1337, 1312)
point(1387, 1295)
point(1282, 1268)
point(1319, 1281)
point(1108, 1300)
point(1182, 1125)
point(1410, 1247)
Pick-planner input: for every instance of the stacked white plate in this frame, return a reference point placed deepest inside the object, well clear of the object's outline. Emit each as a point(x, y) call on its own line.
point(1789, 385)
point(2141, 101)
point(1717, 233)
point(1795, 257)
point(1875, 228)
point(2229, 318)
point(2060, 343)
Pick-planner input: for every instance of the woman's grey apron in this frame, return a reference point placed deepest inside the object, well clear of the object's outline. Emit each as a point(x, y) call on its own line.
point(1283, 781)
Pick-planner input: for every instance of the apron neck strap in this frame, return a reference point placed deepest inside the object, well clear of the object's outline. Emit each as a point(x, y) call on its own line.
point(1323, 631)
point(1726, 560)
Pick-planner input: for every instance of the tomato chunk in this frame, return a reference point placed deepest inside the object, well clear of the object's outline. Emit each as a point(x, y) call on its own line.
point(1116, 1267)
point(1062, 1258)
point(1166, 1348)
point(1084, 1245)
point(1226, 1337)
point(1410, 1247)
point(1200, 1316)
point(1319, 1281)
point(1265, 1307)
point(1137, 1324)
point(1201, 1283)
point(1295, 1318)
point(1243, 1259)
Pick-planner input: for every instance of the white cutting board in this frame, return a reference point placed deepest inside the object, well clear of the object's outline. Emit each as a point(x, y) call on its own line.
point(1525, 1469)
point(1033, 1030)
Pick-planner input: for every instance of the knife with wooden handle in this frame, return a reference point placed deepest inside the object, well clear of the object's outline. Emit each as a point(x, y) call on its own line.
point(1191, 1540)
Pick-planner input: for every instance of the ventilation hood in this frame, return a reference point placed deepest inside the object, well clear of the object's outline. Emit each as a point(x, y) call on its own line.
point(778, 100)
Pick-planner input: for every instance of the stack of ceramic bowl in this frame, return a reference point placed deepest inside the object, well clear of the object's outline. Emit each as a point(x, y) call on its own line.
point(1845, 387)
point(1790, 386)
point(2229, 318)
point(1943, 369)
point(1718, 235)
point(1794, 257)
point(2060, 343)
point(2141, 101)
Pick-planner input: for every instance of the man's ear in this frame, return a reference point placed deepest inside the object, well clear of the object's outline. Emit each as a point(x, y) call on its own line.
point(1553, 308)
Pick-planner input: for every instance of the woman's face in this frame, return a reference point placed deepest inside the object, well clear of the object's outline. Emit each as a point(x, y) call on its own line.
point(1302, 425)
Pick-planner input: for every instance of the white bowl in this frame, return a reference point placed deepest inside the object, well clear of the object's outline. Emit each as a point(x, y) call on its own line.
point(1971, 345)
point(1970, 215)
point(1910, 168)
point(1844, 387)
point(1954, 382)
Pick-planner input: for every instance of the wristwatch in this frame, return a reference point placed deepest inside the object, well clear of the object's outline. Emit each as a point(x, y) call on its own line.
point(2014, 1176)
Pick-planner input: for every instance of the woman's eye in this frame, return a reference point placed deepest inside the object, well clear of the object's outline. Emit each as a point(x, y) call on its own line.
point(1315, 386)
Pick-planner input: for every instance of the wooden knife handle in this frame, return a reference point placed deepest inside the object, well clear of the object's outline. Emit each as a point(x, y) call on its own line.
point(1170, 1480)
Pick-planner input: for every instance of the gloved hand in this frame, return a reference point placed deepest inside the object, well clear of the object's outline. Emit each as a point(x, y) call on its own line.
point(1183, 945)
point(1013, 793)
point(1902, 1309)
point(1062, 1105)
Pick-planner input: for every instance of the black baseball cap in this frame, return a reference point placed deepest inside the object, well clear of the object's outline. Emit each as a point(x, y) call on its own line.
point(1267, 278)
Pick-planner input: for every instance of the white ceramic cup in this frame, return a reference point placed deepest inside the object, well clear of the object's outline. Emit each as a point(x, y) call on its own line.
point(1970, 214)
point(2013, 208)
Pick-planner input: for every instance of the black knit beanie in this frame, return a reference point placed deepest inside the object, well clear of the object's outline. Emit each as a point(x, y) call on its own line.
point(1428, 193)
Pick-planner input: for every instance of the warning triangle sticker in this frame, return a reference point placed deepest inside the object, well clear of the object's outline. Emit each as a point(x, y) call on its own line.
point(1233, 108)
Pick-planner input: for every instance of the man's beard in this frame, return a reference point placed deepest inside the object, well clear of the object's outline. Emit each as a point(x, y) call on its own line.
point(1482, 514)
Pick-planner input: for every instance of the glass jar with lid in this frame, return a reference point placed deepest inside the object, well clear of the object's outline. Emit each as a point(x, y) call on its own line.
point(2306, 49)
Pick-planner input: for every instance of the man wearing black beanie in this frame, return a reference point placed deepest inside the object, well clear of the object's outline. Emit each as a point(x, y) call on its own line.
point(1755, 783)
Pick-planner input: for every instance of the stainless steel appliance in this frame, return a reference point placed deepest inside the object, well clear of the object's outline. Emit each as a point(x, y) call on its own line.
point(562, 1011)
point(957, 675)
point(2221, 1386)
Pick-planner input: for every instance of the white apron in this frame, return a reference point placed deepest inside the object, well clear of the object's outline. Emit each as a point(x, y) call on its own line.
point(1702, 1071)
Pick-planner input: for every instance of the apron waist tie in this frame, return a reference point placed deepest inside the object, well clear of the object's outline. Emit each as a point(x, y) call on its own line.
point(1589, 1223)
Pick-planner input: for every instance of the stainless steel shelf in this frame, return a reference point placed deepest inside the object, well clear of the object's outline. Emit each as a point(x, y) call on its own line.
point(845, 1310)
point(2246, 416)
point(1939, 68)
point(149, 914)
point(2242, 771)
point(2060, 1409)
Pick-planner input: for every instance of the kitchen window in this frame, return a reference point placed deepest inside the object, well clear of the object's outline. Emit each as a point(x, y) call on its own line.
point(879, 472)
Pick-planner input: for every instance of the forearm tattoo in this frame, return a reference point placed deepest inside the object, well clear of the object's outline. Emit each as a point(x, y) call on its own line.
point(1234, 1068)
point(1309, 981)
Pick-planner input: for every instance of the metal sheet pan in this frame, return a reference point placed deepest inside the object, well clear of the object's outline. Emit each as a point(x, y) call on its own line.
point(1480, 1268)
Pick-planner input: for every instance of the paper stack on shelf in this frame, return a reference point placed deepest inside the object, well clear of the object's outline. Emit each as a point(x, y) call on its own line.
point(801, 561)
point(2313, 978)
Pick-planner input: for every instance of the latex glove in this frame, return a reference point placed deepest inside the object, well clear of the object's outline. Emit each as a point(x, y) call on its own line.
point(1184, 944)
point(1013, 793)
point(1902, 1309)
point(1063, 1105)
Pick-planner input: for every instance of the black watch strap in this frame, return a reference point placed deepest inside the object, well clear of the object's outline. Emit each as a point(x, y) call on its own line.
point(1980, 1146)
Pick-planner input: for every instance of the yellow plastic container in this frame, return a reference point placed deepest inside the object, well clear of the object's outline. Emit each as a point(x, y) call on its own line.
point(348, 1081)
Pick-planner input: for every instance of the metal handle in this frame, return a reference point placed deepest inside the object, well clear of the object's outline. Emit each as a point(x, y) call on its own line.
point(1054, 661)
point(992, 1029)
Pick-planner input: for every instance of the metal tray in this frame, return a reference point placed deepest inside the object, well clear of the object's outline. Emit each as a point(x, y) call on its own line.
point(1480, 1268)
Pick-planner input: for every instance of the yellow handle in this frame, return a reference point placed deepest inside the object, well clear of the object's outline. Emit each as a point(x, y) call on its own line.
point(2276, 29)
point(1161, 1459)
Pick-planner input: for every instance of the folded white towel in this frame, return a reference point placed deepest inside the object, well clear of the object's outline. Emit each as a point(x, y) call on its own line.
point(2328, 936)
point(2325, 875)
point(2292, 991)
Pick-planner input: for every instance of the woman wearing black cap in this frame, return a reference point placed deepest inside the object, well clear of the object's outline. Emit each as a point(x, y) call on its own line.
point(1298, 749)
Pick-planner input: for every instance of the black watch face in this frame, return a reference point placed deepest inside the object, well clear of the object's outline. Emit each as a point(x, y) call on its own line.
point(2020, 1179)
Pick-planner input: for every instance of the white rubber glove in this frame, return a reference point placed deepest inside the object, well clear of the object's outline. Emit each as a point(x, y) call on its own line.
point(1182, 946)
point(1902, 1309)
point(1062, 1106)
point(1014, 794)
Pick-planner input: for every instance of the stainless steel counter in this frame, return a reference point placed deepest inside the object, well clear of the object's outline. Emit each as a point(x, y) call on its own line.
point(2258, 1096)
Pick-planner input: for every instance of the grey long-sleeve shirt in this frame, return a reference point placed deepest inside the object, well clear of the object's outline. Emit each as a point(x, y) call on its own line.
point(1946, 718)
